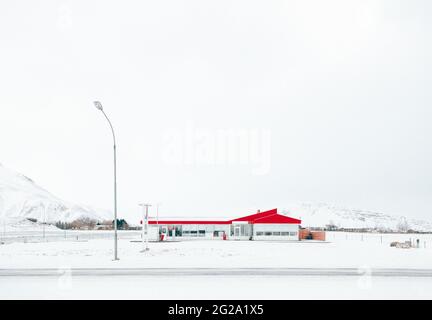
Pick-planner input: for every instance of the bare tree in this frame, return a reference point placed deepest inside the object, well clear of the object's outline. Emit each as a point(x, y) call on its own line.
point(83, 223)
point(403, 226)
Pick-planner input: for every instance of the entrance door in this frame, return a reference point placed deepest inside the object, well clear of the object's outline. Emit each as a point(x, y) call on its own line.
point(164, 232)
point(237, 232)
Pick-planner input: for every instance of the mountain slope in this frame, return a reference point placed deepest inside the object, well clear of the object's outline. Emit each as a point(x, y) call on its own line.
point(21, 197)
point(320, 215)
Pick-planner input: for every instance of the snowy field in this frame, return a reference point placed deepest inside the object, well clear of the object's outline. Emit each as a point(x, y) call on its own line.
point(343, 250)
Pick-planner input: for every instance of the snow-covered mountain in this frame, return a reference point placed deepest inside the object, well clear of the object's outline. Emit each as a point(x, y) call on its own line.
point(320, 215)
point(21, 197)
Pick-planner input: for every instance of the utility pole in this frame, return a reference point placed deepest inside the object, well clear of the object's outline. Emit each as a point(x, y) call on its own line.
point(145, 207)
point(3, 220)
point(44, 221)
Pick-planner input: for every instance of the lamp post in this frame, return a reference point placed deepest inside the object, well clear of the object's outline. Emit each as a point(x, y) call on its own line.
point(98, 105)
point(145, 226)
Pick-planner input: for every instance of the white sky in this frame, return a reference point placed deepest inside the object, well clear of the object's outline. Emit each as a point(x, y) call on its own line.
point(342, 87)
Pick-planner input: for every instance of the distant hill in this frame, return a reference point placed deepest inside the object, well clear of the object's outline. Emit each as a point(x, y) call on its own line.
point(321, 214)
point(21, 198)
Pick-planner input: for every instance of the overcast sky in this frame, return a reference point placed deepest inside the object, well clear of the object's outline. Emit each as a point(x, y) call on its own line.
point(322, 101)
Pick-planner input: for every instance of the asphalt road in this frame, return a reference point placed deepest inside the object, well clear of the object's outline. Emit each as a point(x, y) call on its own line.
point(164, 272)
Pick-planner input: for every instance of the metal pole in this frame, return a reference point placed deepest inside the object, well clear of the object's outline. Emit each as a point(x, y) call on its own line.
point(145, 227)
point(115, 188)
point(44, 222)
point(157, 222)
point(115, 202)
point(142, 229)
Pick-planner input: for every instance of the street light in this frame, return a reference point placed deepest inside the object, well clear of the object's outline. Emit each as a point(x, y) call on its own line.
point(145, 226)
point(98, 106)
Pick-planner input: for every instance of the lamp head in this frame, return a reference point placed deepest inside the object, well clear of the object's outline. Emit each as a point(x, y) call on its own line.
point(98, 105)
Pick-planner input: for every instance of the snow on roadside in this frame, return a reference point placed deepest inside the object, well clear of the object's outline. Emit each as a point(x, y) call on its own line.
point(341, 253)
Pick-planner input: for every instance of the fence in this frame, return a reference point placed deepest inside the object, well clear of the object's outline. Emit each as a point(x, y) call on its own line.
point(424, 240)
point(63, 235)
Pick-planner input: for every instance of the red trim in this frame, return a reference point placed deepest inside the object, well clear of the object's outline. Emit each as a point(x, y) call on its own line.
point(189, 222)
point(270, 216)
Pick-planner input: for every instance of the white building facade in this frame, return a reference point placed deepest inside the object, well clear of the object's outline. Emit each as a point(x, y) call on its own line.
point(268, 225)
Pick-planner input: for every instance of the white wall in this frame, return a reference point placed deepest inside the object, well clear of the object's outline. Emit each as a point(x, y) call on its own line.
point(293, 230)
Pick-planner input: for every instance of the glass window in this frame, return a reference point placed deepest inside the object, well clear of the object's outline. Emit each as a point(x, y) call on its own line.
point(276, 233)
point(285, 233)
point(259, 233)
point(268, 233)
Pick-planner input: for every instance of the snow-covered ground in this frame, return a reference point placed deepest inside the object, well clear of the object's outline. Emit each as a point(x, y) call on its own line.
point(344, 250)
point(214, 288)
point(362, 252)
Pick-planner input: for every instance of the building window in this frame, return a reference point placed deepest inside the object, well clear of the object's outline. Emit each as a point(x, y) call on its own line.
point(268, 233)
point(277, 233)
point(178, 231)
point(259, 233)
point(293, 234)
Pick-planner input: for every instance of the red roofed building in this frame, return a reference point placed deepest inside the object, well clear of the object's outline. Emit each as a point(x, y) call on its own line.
point(267, 225)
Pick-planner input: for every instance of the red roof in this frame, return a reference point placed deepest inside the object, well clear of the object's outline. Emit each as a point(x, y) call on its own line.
point(277, 218)
point(189, 222)
point(255, 216)
point(270, 216)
